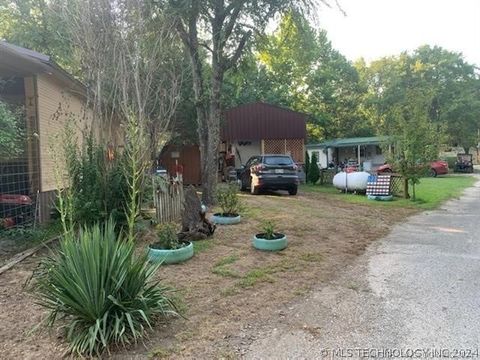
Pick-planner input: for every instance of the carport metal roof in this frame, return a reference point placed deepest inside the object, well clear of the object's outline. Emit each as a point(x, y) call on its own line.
point(348, 142)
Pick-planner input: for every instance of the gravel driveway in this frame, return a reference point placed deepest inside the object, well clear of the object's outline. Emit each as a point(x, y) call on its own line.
point(414, 294)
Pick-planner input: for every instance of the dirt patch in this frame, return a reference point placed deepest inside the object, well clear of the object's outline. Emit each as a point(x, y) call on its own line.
point(228, 285)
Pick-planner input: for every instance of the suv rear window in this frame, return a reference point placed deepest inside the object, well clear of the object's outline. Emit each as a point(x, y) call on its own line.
point(277, 160)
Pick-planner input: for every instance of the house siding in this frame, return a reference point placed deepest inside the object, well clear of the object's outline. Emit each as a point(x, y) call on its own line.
point(55, 106)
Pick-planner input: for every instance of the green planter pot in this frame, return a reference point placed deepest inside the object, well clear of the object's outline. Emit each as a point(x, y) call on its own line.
point(225, 220)
point(171, 256)
point(270, 245)
point(380, 197)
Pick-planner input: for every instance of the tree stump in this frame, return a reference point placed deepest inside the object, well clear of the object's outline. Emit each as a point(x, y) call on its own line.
point(195, 226)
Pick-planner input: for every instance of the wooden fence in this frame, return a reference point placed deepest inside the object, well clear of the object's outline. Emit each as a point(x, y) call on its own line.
point(169, 201)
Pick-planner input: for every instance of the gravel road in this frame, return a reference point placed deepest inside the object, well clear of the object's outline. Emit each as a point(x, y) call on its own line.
point(416, 293)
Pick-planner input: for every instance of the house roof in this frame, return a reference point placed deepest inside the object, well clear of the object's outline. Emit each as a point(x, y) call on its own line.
point(18, 61)
point(346, 142)
point(257, 121)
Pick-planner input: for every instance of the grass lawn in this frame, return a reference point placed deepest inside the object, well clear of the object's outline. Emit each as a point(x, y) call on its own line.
point(431, 192)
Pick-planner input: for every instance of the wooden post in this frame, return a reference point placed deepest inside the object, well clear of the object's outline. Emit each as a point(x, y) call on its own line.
point(358, 155)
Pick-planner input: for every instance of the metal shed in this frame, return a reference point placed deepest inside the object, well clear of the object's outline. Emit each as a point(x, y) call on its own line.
point(260, 128)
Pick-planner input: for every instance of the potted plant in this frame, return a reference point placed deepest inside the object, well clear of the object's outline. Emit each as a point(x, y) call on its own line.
point(269, 239)
point(168, 249)
point(229, 202)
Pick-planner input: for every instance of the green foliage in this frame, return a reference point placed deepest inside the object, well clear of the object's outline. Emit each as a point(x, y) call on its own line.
point(313, 171)
point(453, 87)
point(228, 200)
point(134, 167)
point(11, 133)
point(101, 292)
point(268, 228)
point(37, 25)
point(167, 237)
point(98, 187)
point(451, 160)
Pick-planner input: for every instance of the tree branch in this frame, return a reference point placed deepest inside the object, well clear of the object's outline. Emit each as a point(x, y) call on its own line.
point(238, 51)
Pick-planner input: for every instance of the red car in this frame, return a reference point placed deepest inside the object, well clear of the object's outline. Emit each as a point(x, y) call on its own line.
point(437, 167)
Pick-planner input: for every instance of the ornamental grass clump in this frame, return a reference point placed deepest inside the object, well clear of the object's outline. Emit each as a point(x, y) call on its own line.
point(103, 295)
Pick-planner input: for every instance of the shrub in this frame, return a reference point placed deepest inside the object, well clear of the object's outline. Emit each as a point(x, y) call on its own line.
point(98, 186)
point(313, 171)
point(268, 230)
point(102, 291)
point(228, 200)
point(451, 160)
point(167, 237)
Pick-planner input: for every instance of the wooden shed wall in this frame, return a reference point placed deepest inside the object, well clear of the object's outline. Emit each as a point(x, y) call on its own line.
point(189, 158)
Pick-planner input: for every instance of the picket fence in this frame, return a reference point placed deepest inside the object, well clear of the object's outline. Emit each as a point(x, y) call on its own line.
point(169, 201)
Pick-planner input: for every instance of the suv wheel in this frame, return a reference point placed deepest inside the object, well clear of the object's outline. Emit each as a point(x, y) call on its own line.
point(293, 190)
point(241, 185)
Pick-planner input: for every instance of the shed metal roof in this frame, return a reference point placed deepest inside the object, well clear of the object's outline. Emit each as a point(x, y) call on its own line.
point(257, 121)
point(346, 142)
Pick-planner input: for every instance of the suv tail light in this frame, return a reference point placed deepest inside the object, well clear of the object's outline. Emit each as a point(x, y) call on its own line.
point(258, 168)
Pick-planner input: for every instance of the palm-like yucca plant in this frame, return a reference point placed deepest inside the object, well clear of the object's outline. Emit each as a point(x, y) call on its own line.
point(101, 290)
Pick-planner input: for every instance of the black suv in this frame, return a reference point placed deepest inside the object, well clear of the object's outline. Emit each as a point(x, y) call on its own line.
point(272, 172)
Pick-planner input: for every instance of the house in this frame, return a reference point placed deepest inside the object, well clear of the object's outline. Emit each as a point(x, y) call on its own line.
point(366, 151)
point(46, 96)
point(246, 130)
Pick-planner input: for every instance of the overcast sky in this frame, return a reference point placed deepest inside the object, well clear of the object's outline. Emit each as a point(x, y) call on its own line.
point(376, 28)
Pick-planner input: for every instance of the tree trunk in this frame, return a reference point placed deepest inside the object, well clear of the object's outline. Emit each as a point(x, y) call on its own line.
point(405, 188)
point(195, 226)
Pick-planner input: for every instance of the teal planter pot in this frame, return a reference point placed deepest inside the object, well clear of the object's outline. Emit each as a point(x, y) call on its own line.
point(171, 256)
point(225, 220)
point(380, 197)
point(270, 245)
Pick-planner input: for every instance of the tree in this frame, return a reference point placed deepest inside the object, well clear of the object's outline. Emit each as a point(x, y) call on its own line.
point(223, 29)
point(415, 136)
point(129, 54)
point(314, 171)
point(453, 85)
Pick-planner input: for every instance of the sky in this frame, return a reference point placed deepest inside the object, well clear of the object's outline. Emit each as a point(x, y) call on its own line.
point(376, 28)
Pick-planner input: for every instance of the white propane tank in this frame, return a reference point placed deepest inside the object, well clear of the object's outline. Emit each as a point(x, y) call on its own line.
point(354, 181)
